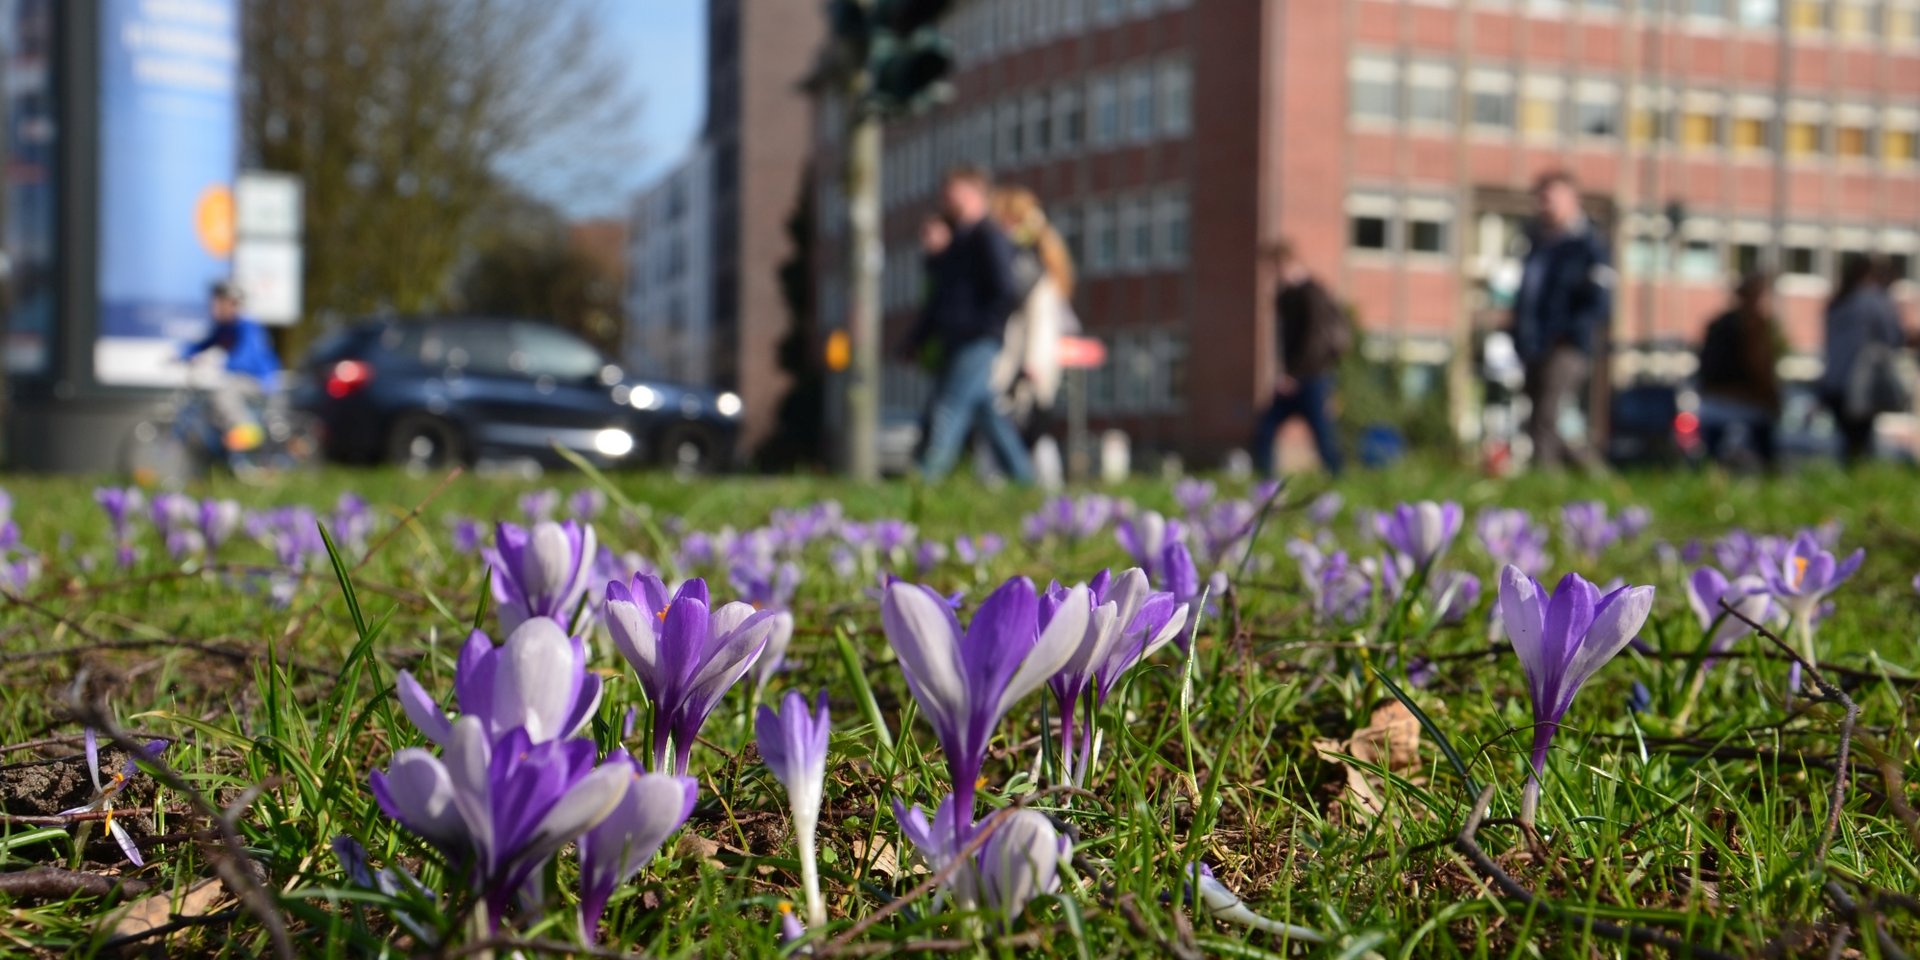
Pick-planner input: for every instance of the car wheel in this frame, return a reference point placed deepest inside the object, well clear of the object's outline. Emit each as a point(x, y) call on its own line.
point(688, 450)
point(420, 441)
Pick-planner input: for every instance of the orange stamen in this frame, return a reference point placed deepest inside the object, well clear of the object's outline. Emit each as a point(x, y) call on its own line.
point(1799, 570)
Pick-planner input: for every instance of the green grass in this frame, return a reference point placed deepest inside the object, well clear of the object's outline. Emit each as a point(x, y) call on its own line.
point(1707, 833)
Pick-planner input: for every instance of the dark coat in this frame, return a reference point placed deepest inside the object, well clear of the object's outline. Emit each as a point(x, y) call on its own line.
point(1738, 358)
point(1305, 318)
point(1566, 293)
point(971, 290)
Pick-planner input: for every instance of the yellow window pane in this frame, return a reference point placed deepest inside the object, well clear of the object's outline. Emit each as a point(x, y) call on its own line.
point(1803, 139)
point(1851, 20)
point(1902, 24)
point(1539, 116)
point(1697, 130)
point(1898, 145)
point(1809, 14)
point(1640, 126)
point(1850, 141)
point(1749, 133)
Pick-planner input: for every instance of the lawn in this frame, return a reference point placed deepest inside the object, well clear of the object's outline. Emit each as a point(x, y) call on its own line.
point(1346, 748)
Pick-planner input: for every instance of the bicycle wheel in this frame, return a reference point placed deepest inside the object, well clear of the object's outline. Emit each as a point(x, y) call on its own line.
point(156, 456)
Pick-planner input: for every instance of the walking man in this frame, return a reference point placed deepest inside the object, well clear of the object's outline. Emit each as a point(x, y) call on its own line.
point(1311, 334)
point(1565, 299)
point(971, 293)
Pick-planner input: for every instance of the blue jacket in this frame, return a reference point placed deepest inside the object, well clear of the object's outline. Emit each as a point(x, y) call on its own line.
point(972, 289)
point(1566, 293)
point(249, 350)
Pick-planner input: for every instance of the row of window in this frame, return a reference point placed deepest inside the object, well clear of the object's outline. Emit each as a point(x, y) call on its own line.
point(1130, 235)
point(1710, 250)
point(1896, 20)
point(984, 29)
point(1420, 226)
point(1383, 90)
point(1131, 105)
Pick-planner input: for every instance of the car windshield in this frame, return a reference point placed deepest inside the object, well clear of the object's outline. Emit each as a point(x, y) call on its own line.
point(544, 351)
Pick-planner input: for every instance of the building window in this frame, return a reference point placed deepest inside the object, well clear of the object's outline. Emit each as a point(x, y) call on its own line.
point(1900, 24)
point(1757, 13)
point(1139, 118)
point(1596, 109)
point(1745, 257)
point(1066, 222)
point(1373, 89)
point(1369, 223)
point(1803, 131)
point(1430, 94)
point(1136, 234)
point(1007, 146)
point(1852, 20)
point(1699, 128)
point(1801, 259)
point(1103, 237)
point(1852, 140)
point(1039, 120)
point(1073, 16)
point(1540, 107)
point(1651, 119)
point(1174, 225)
point(1106, 11)
point(1106, 111)
point(1429, 226)
point(1176, 98)
point(1699, 257)
point(1807, 15)
point(1492, 97)
point(1900, 137)
point(1751, 128)
point(1069, 121)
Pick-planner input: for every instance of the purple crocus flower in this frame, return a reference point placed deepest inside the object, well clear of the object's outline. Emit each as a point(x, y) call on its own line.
point(1805, 573)
point(538, 505)
point(1634, 521)
point(1145, 535)
point(537, 681)
point(394, 882)
point(966, 682)
point(468, 535)
point(1510, 537)
point(793, 742)
point(1128, 623)
point(1193, 495)
point(980, 550)
point(1562, 639)
point(540, 572)
point(1422, 531)
point(172, 513)
point(105, 791)
point(352, 523)
point(654, 806)
point(1325, 508)
point(1739, 552)
point(686, 655)
point(587, 502)
point(1019, 863)
point(120, 504)
point(1452, 593)
point(1341, 589)
point(927, 555)
point(1587, 528)
point(502, 808)
point(1748, 595)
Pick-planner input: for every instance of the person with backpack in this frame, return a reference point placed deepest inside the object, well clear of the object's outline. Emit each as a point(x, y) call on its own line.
point(1862, 377)
point(1311, 333)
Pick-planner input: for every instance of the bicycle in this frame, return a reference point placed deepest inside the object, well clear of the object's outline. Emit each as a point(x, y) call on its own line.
point(182, 442)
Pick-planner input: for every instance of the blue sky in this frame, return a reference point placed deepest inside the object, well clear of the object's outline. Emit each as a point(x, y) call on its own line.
point(664, 45)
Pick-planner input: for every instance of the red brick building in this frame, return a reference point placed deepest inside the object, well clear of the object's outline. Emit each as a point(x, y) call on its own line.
point(1394, 142)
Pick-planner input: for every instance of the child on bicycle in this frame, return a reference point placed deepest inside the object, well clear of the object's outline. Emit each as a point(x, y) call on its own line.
point(252, 371)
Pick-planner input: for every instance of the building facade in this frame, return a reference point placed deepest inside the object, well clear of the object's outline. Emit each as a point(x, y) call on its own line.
point(1394, 142)
point(758, 126)
point(669, 276)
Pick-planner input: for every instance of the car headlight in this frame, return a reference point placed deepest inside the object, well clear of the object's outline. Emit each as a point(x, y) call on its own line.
point(613, 443)
point(643, 398)
point(728, 404)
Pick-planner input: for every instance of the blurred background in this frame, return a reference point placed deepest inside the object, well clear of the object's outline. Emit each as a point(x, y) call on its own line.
point(723, 201)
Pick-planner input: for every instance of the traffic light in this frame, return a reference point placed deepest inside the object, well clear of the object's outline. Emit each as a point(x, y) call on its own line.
point(908, 72)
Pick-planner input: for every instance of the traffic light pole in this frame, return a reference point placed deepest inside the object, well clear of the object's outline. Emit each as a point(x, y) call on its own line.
point(866, 254)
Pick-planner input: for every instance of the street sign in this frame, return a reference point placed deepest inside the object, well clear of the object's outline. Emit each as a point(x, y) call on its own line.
point(1082, 353)
point(268, 205)
point(267, 256)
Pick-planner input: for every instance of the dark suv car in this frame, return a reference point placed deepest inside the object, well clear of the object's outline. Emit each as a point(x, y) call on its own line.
point(436, 390)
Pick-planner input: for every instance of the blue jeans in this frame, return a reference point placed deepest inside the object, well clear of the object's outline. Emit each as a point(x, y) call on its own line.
point(962, 400)
point(1308, 400)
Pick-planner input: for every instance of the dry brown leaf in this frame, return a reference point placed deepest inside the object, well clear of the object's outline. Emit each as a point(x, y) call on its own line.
point(159, 909)
point(1391, 739)
point(695, 845)
point(886, 861)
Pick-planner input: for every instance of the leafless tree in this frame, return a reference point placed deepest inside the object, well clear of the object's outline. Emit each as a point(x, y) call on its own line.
point(410, 119)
